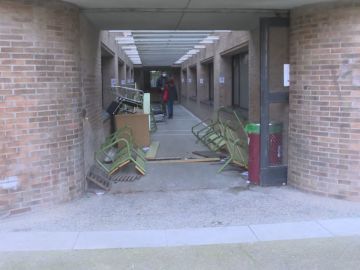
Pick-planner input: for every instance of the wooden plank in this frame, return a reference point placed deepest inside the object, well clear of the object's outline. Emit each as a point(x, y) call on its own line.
point(184, 161)
point(151, 154)
point(209, 154)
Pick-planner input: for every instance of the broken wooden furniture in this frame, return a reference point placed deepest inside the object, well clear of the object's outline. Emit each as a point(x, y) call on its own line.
point(138, 123)
point(118, 150)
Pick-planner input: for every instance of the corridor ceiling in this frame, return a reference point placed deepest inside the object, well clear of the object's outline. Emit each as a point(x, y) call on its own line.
point(163, 47)
point(183, 14)
point(173, 17)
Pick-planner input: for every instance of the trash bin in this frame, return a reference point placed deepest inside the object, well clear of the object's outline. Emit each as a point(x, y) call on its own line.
point(275, 148)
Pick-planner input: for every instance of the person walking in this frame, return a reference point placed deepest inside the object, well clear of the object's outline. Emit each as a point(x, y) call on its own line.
point(172, 96)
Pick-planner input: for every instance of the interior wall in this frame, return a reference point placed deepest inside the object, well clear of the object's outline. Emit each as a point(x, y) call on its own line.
point(220, 53)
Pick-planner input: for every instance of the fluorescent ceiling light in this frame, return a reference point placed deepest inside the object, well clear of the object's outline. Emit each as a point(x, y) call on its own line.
point(199, 46)
point(212, 38)
point(126, 42)
point(193, 52)
point(132, 47)
point(206, 41)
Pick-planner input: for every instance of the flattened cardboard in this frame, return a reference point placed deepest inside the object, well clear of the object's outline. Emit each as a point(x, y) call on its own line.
point(139, 125)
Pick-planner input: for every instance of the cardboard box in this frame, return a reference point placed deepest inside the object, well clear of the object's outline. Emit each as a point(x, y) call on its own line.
point(139, 125)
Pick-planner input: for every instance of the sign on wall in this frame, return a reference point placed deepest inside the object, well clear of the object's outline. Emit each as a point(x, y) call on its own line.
point(201, 81)
point(222, 79)
point(113, 82)
point(286, 75)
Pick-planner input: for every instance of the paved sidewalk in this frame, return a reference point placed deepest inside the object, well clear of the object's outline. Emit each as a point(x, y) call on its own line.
point(340, 253)
point(33, 241)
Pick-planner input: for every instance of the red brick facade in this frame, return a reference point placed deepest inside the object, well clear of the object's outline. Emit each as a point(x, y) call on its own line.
point(324, 147)
point(41, 134)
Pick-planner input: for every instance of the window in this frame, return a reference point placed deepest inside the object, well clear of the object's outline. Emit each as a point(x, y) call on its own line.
point(240, 82)
point(211, 81)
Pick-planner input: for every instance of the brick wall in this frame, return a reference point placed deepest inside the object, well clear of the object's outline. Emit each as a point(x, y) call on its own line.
point(90, 64)
point(41, 139)
point(324, 149)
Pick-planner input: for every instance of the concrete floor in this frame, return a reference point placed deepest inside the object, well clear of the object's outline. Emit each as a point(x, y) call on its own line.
point(174, 196)
point(203, 206)
point(328, 254)
point(176, 140)
point(182, 209)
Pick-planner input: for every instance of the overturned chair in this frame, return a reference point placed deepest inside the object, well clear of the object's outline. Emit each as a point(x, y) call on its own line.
point(118, 150)
point(210, 132)
point(236, 144)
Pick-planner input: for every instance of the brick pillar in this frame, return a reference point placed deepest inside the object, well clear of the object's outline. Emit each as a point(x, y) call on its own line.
point(324, 148)
point(41, 134)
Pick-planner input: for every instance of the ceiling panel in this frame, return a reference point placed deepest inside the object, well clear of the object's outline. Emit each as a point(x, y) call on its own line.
point(133, 20)
point(163, 47)
point(231, 21)
point(86, 4)
point(253, 4)
point(217, 4)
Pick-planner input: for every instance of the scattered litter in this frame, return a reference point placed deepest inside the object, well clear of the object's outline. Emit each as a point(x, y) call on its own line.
point(96, 191)
point(245, 175)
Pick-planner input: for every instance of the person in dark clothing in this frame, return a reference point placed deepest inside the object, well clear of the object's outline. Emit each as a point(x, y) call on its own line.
point(172, 97)
point(160, 83)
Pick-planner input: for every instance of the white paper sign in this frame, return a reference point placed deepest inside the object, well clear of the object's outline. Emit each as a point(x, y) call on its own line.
point(113, 82)
point(201, 81)
point(123, 82)
point(286, 75)
point(221, 80)
point(189, 80)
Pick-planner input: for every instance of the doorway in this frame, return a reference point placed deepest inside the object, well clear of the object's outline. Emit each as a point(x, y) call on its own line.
point(240, 82)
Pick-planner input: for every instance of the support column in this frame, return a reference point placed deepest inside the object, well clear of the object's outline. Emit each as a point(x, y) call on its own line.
point(324, 147)
point(41, 132)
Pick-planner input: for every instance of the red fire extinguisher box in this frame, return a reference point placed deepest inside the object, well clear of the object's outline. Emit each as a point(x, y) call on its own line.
point(275, 148)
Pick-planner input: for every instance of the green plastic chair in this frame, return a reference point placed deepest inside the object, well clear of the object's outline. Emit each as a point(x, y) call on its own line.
point(118, 150)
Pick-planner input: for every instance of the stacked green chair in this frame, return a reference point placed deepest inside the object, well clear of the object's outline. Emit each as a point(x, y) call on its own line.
point(209, 132)
point(236, 145)
point(118, 150)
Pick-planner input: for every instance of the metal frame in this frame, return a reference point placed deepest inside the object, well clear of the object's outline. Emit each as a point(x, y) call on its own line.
point(269, 175)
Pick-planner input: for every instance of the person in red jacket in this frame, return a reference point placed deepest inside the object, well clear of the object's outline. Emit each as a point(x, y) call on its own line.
point(172, 96)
